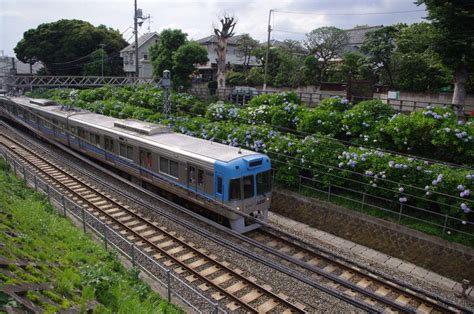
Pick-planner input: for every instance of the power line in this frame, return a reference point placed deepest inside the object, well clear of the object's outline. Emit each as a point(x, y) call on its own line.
point(346, 14)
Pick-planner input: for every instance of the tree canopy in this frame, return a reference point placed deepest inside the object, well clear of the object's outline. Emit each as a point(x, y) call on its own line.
point(173, 52)
point(246, 46)
point(184, 60)
point(161, 54)
point(66, 46)
point(453, 21)
point(326, 43)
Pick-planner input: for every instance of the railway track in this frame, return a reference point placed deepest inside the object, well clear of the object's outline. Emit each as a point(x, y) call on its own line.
point(222, 282)
point(378, 293)
point(352, 280)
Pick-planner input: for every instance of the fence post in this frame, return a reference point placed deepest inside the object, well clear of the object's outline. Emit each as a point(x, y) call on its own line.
point(401, 105)
point(48, 193)
point(310, 100)
point(445, 223)
point(36, 183)
point(83, 219)
point(363, 201)
point(105, 236)
point(14, 167)
point(216, 308)
point(133, 255)
point(401, 211)
point(63, 201)
point(168, 283)
point(329, 192)
point(414, 105)
point(24, 175)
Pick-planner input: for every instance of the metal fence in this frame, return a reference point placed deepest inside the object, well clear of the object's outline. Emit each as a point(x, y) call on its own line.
point(113, 240)
point(334, 193)
point(313, 99)
point(29, 82)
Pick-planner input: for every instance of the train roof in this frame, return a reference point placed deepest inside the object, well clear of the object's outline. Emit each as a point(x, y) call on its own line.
point(48, 106)
point(164, 137)
point(150, 133)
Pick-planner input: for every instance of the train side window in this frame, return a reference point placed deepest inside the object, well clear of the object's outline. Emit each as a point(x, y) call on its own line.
point(200, 179)
point(94, 139)
point(174, 169)
point(145, 158)
point(73, 130)
point(219, 185)
point(126, 151)
point(109, 144)
point(234, 190)
point(81, 132)
point(164, 165)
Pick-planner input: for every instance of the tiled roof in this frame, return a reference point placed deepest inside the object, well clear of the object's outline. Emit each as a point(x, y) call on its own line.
point(212, 39)
point(141, 40)
point(357, 35)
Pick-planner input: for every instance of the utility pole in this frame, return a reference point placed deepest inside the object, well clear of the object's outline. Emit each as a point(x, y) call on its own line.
point(135, 27)
point(268, 50)
point(102, 57)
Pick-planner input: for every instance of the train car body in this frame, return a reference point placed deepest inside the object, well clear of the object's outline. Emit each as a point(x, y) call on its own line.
point(212, 175)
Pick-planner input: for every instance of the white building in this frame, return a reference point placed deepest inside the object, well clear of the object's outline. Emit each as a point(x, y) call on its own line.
point(145, 68)
point(11, 66)
point(233, 56)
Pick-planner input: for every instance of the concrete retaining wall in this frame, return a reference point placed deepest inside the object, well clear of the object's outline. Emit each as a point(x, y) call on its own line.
point(445, 258)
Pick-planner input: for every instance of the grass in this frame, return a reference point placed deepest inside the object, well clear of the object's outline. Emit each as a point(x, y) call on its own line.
point(78, 269)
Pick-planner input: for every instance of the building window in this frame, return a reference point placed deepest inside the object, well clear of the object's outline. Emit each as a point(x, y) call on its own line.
point(145, 57)
point(126, 151)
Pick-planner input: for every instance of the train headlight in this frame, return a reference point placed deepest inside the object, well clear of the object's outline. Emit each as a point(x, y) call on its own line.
point(268, 198)
point(238, 208)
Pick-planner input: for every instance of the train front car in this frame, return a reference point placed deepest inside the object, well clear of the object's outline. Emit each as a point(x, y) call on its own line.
point(244, 184)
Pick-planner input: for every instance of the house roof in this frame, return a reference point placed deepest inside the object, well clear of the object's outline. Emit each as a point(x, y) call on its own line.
point(357, 35)
point(141, 40)
point(213, 39)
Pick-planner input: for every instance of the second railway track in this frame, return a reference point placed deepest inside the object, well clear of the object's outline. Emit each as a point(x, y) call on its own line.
point(224, 284)
point(376, 291)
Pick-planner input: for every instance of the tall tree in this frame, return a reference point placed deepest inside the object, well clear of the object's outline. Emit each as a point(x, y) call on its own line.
point(246, 46)
point(379, 45)
point(419, 67)
point(223, 34)
point(454, 22)
point(184, 61)
point(355, 66)
point(326, 43)
point(66, 45)
point(161, 54)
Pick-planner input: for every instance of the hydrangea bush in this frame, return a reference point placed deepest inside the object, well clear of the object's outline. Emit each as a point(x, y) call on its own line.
point(405, 180)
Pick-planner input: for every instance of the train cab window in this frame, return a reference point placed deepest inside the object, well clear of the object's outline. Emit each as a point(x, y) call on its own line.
point(200, 178)
point(248, 187)
point(126, 151)
point(219, 185)
point(109, 144)
point(234, 190)
point(263, 182)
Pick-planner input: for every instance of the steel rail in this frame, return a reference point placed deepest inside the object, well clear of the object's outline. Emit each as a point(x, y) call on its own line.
point(151, 244)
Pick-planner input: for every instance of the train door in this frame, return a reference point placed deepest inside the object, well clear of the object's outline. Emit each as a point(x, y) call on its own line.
point(109, 148)
point(192, 183)
point(146, 162)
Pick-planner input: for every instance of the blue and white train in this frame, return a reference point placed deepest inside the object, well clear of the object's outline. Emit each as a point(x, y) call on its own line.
point(214, 176)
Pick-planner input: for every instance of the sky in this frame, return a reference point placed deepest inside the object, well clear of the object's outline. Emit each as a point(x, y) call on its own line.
point(290, 20)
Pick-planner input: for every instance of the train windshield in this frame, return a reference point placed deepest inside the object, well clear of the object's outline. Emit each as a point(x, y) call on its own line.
point(263, 182)
point(248, 187)
point(234, 189)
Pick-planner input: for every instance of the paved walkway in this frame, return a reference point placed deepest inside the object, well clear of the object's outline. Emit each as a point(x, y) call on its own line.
point(372, 255)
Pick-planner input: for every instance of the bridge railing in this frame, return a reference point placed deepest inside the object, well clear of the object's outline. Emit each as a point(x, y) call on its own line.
point(30, 82)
